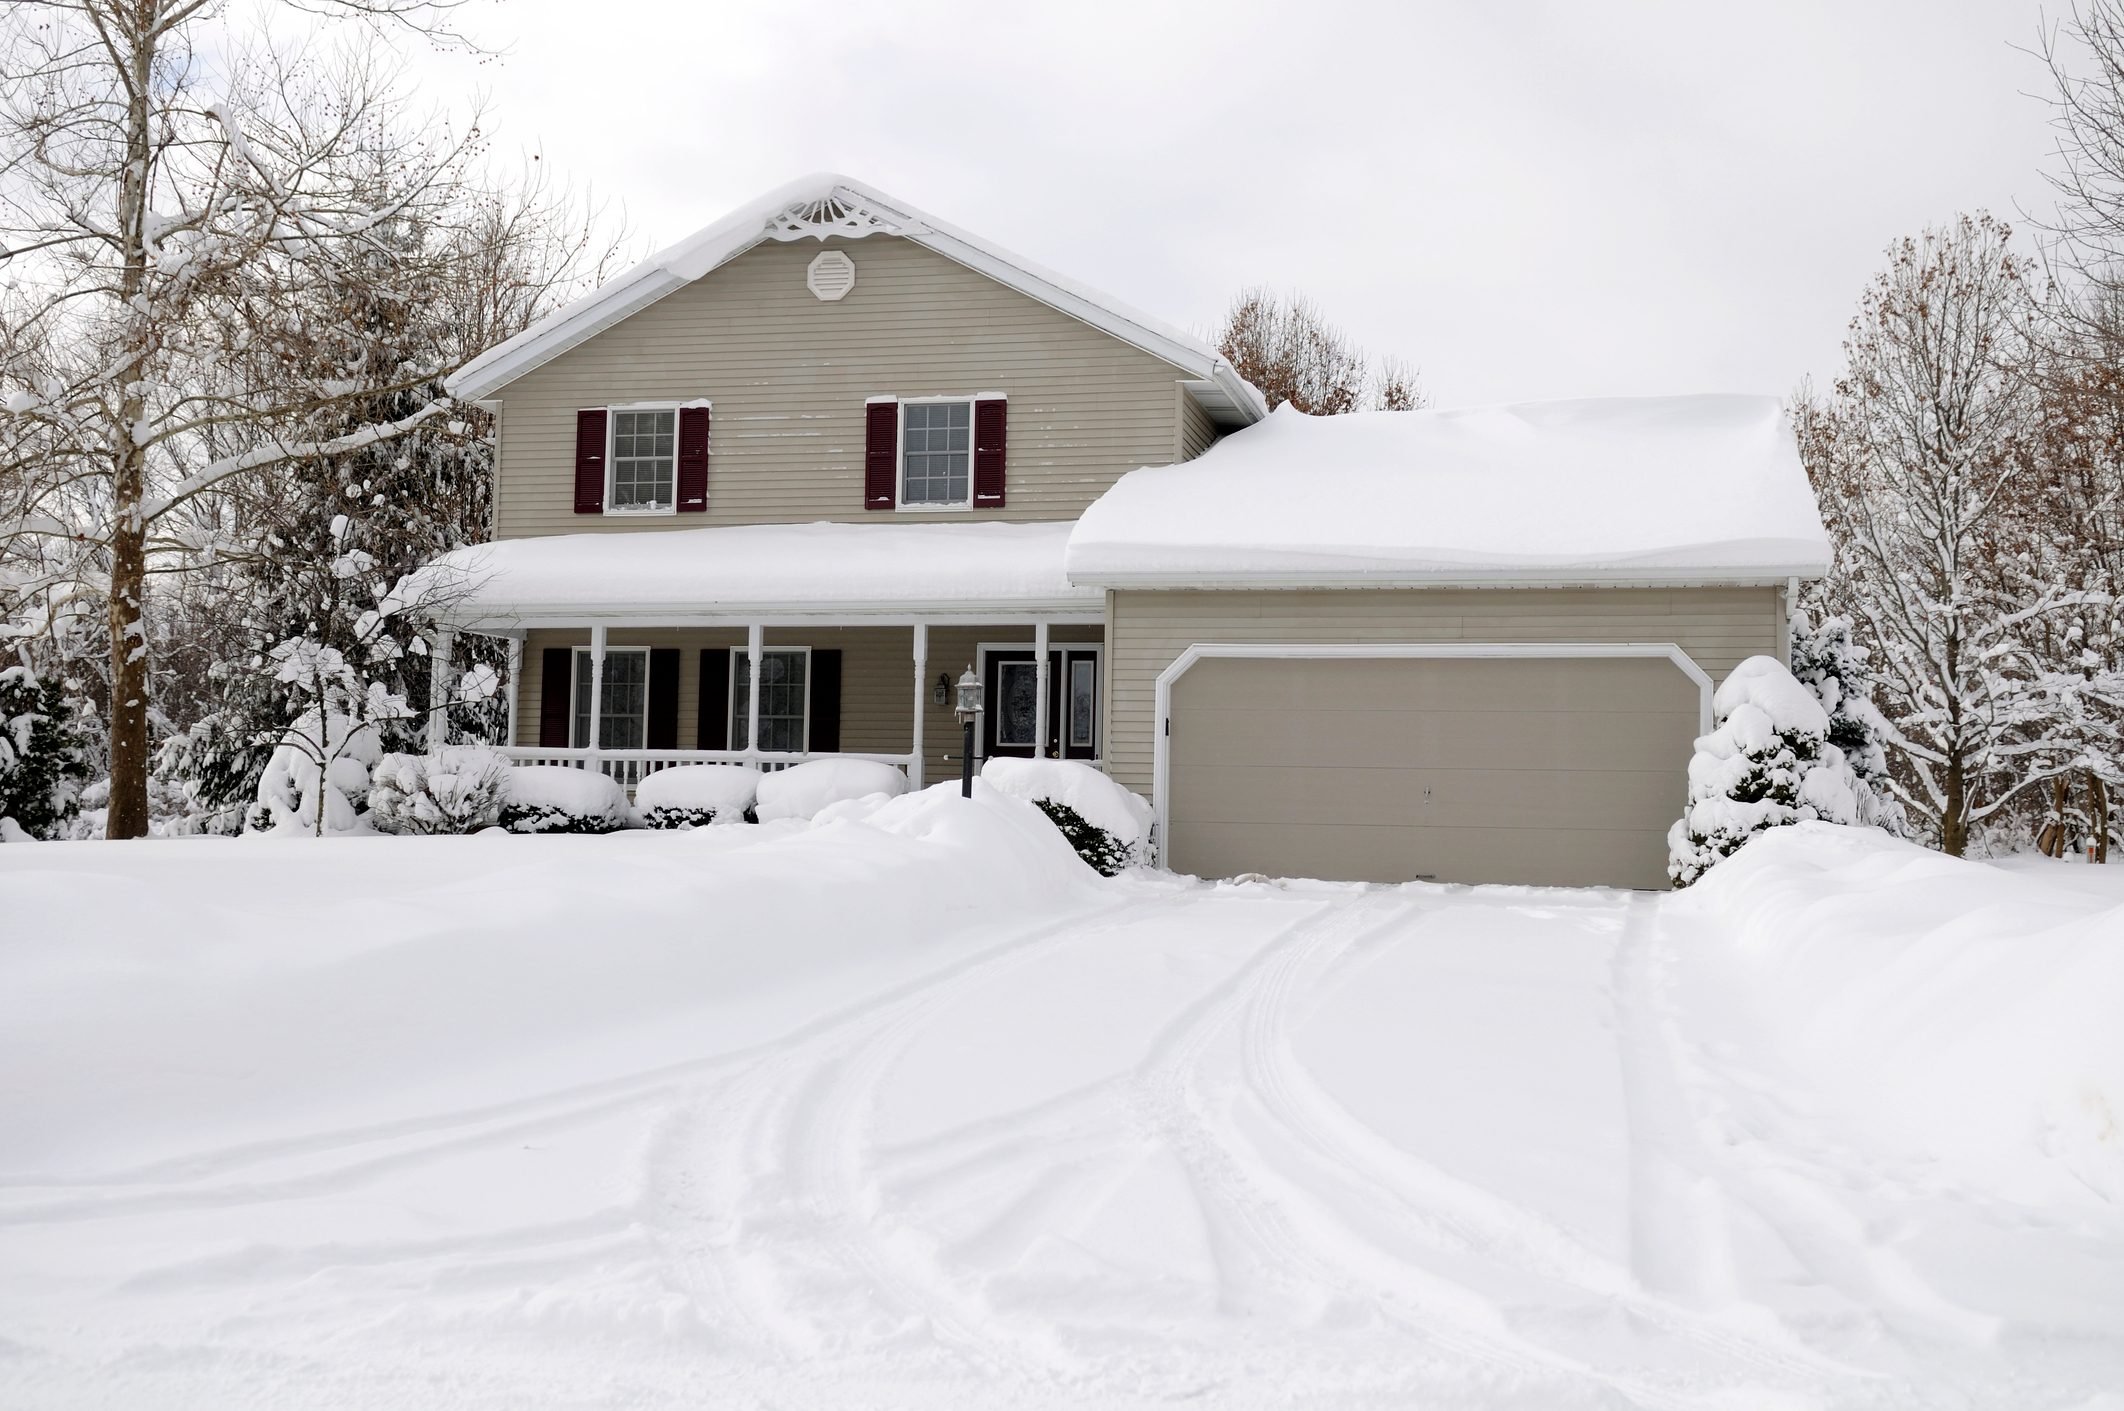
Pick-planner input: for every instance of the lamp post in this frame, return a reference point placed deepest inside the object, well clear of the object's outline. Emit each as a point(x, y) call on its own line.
point(968, 711)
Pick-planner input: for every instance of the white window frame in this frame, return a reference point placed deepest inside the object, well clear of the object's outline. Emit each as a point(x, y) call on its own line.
point(899, 488)
point(1097, 650)
point(739, 654)
point(612, 416)
point(581, 667)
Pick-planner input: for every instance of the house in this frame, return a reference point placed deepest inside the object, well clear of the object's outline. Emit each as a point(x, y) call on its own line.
point(763, 498)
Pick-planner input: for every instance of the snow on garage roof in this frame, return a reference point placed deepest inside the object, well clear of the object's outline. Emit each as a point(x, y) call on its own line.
point(824, 206)
point(758, 569)
point(1669, 489)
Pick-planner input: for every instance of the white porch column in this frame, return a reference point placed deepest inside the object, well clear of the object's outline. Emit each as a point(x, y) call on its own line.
point(1040, 689)
point(439, 688)
point(755, 637)
point(921, 701)
point(516, 684)
point(597, 697)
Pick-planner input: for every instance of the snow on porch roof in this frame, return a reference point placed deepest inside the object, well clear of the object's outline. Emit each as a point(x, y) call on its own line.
point(1656, 490)
point(767, 569)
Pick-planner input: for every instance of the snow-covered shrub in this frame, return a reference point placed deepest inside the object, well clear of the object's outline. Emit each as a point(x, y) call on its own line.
point(1828, 662)
point(695, 795)
point(1767, 764)
point(1107, 825)
point(803, 789)
point(462, 791)
point(209, 774)
point(317, 780)
point(43, 755)
point(546, 798)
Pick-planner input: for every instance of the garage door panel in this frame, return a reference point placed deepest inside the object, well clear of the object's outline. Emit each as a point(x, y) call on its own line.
point(1342, 852)
point(1614, 739)
point(1562, 771)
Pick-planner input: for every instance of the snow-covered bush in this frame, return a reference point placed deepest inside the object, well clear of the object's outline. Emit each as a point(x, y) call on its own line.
point(546, 798)
point(1828, 662)
point(695, 795)
point(317, 780)
point(462, 791)
point(1767, 764)
point(43, 755)
point(1107, 825)
point(803, 789)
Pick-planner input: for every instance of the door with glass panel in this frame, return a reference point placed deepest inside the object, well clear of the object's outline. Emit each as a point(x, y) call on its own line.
point(1009, 723)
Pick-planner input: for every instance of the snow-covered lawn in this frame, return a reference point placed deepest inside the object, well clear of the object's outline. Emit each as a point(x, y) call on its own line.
point(912, 1110)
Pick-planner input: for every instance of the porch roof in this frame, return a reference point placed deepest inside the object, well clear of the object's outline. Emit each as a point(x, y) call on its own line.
point(848, 571)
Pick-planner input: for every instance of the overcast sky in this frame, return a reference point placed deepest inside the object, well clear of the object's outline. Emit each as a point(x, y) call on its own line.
point(1526, 200)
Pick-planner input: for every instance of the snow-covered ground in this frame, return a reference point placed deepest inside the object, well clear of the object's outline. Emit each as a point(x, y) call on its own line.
point(911, 1110)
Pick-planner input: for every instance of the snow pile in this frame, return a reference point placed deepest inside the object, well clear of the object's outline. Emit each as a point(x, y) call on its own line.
point(545, 798)
point(1767, 764)
point(1964, 1013)
point(695, 795)
point(1108, 825)
point(1631, 488)
point(461, 791)
point(313, 770)
point(801, 790)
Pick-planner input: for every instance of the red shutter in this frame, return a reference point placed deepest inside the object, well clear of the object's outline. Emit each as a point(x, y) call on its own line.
point(881, 455)
point(692, 460)
point(991, 418)
point(590, 461)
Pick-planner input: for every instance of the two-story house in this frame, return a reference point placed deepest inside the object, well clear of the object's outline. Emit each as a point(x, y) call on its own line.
point(765, 496)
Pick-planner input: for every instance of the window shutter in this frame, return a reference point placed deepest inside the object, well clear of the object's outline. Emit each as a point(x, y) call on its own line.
point(991, 417)
point(556, 696)
point(692, 460)
point(824, 727)
point(660, 731)
point(881, 454)
point(590, 461)
point(714, 731)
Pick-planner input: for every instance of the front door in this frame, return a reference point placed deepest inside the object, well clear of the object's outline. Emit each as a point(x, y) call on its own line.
point(1009, 723)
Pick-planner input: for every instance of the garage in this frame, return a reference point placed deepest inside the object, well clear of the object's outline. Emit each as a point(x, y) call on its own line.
point(1554, 766)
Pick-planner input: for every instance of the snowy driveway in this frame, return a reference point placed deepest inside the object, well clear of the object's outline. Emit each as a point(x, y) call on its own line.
point(1129, 1144)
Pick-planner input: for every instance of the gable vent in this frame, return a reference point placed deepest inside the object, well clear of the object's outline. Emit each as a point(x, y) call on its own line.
point(830, 274)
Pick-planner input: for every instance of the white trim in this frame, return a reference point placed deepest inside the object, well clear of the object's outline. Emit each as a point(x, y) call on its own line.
point(612, 416)
point(597, 704)
point(752, 704)
point(1162, 710)
point(516, 683)
point(1517, 577)
point(921, 704)
point(1040, 688)
point(937, 614)
point(899, 464)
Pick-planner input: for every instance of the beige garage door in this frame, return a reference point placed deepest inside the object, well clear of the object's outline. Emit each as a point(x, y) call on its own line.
point(1553, 771)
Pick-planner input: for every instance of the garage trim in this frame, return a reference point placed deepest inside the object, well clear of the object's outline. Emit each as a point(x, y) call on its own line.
point(1161, 745)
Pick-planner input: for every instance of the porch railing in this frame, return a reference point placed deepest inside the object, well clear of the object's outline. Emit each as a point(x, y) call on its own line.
point(629, 767)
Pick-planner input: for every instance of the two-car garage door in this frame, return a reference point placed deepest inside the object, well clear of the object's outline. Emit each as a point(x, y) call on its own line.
point(1556, 770)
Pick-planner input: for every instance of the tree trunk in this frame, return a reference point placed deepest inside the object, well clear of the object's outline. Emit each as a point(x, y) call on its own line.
point(2050, 838)
point(1954, 819)
point(2098, 808)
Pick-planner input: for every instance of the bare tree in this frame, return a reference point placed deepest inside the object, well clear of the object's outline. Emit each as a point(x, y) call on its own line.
point(172, 225)
point(1286, 347)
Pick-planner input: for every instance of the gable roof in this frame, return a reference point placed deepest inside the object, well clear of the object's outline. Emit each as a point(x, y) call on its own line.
point(1705, 489)
point(823, 206)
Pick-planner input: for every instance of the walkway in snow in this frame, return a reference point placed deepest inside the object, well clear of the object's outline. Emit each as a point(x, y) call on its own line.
point(1159, 1143)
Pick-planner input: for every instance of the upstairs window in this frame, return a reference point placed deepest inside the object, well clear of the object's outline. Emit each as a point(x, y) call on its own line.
point(644, 461)
point(936, 454)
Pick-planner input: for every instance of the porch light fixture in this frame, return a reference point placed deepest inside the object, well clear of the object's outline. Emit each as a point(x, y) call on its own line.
point(968, 710)
point(940, 694)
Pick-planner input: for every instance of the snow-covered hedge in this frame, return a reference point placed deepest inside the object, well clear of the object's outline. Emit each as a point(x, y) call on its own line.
point(1107, 825)
point(801, 790)
point(461, 792)
point(317, 770)
point(547, 798)
point(696, 795)
point(43, 757)
point(1767, 765)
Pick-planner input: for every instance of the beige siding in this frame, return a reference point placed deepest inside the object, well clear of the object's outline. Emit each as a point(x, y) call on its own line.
point(1197, 432)
point(1717, 627)
point(877, 678)
point(788, 375)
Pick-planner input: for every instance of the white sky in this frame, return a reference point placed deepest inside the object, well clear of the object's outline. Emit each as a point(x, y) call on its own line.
point(1527, 200)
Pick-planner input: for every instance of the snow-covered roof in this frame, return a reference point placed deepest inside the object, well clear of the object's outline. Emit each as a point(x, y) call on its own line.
point(771, 570)
point(828, 205)
point(1658, 490)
